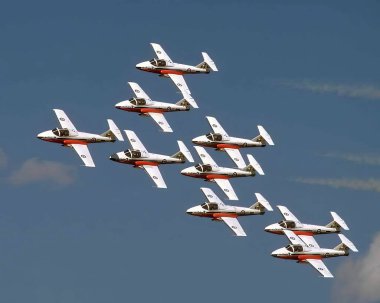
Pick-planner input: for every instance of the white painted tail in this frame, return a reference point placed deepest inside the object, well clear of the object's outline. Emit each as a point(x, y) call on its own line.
point(263, 137)
point(207, 63)
point(254, 164)
point(338, 222)
point(346, 244)
point(113, 131)
point(261, 203)
point(184, 152)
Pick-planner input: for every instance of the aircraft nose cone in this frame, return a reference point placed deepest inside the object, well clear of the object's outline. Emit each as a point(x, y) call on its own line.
point(139, 65)
point(114, 157)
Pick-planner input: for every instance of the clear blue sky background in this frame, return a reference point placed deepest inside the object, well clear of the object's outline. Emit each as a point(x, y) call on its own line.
point(109, 235)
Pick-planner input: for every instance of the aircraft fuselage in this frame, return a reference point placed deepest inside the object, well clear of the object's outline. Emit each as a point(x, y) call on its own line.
point(231, 142)
point(81, 138)
point(171, 68)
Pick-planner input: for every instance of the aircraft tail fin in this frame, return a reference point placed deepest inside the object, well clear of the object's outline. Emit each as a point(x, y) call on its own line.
point(262, 204)
point(184, 102)
point(263, 136)
point(253, 166)
point(183, 154)
point(345, 245)
point(337, 222)
point(207, 63)
point(113, 131)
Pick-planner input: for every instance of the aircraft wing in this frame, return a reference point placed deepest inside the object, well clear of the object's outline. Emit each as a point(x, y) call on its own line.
point(135, 142)
point(205, 157)
point(287, 214)
point(225, 185)
point(84, 154)
point(235, 226)
point(161, 121)
point(309, 241)
point(293, 238)
point(210, 195)
point(161, 54)
point(64, 121)
point(179, 81)
point(216, 127)
point(321, 267)
point(155, 174)
point(139, 91)
point(235, 155)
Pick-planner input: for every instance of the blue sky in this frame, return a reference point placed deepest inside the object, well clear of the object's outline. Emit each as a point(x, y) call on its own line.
point(308, 72)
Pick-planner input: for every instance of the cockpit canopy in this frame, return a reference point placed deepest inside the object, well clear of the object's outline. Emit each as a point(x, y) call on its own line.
point(214, 137)
point(294, 248)
point(287, 224)
point(158, 62)
point(137, 101)
point(132, 153)
point(203, 167)
point(210, 206)
point(61, 132)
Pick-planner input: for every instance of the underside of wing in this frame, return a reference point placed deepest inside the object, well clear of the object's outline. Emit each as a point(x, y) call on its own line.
point(236, 156)
point(309, 241)
point(155, 174)
point(135, 141)
point(225, 185)
point(287, 214)
point(321, 267)
point(138, 91)
point(160, 53)
point(205, 157)
point(216, 127)
point(84, 154)
point(179, 81)
point(161, 121)
point(64, 121)
point(235, 226)
point(211, 196)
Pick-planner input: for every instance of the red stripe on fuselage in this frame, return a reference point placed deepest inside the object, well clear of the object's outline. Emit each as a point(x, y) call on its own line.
point(140, 163)
point(213, 176)
point(227, 146)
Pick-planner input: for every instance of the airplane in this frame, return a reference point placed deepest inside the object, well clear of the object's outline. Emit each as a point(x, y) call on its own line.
point(165, 67)
point(210, 171)
point(68, 136)
point(143, 105)
point(141, 158)
point(218, 211)
point(304, 249)
point(220, 140)
point(291, 222)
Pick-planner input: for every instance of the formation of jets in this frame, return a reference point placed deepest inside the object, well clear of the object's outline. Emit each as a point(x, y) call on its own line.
point(303, 248)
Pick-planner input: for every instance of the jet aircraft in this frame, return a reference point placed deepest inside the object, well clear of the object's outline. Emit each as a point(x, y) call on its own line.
point(68, 136)
point(141, 158)
point(291, 222)
point(304, 249)
point(218, 211)
point(143, 105)
point(165, 67)
point(220, 140)
point(210, 171)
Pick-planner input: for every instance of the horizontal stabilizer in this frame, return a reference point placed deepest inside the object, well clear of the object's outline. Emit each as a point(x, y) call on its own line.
point(338, 221)
point(262, 204)
point(347, 243)
point(264, 134)
point(209, 62)
point(184, 153)
point(255, 165)
point(113, 131)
